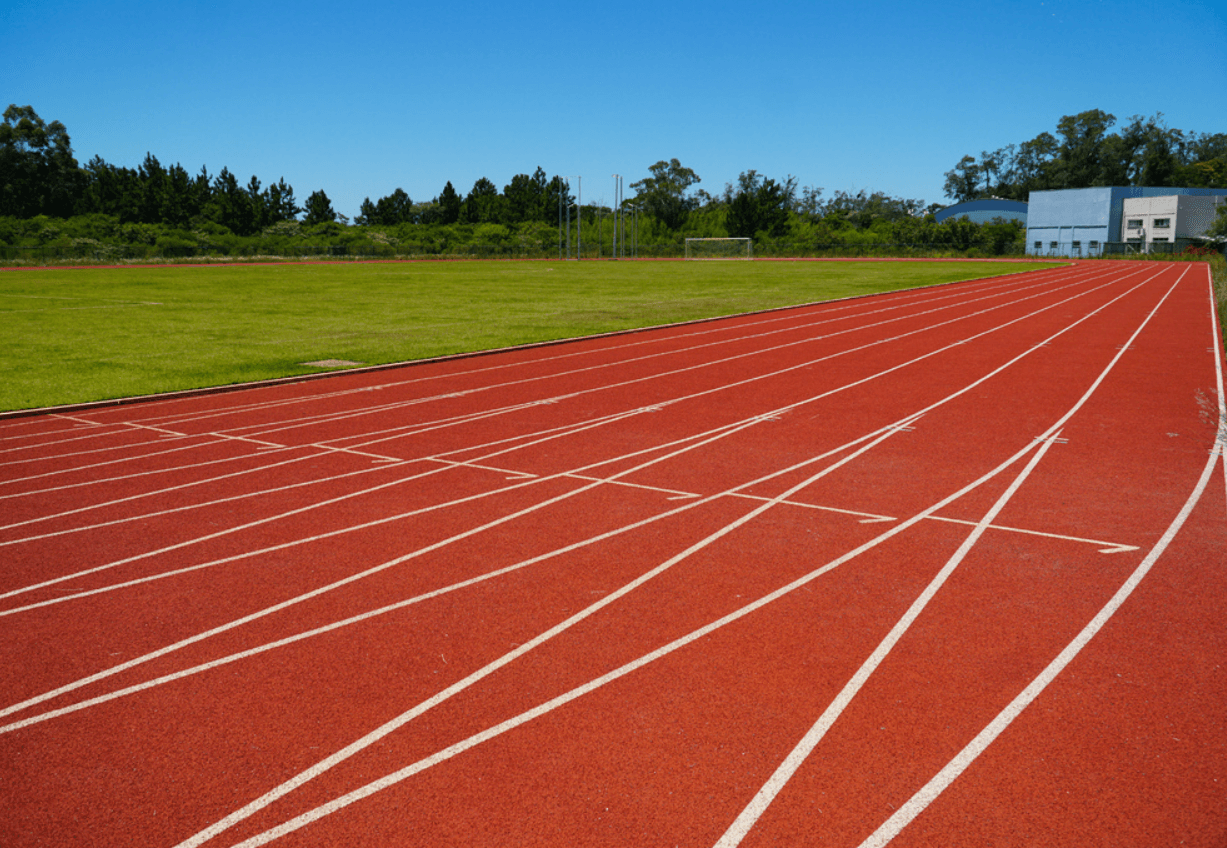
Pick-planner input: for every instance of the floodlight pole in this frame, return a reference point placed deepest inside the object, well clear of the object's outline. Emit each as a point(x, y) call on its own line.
point(579, 223)
point(617, 188)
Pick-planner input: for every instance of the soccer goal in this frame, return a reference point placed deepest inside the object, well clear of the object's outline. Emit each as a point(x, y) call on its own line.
point(719, 248)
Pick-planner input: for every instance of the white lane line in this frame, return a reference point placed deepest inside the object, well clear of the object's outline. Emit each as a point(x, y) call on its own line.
point(867, 517)
point(187, 508)
point(80, 434)
point(809, 340)
point(758, 805)
point(477, 739)
point(531, 482)
point(168, 470)
point(145, 443)
point(367, 491)
point(877, 434)
point(507, 472)
point(409, 715)
point(483, 414)
point(268, 519)
point(353, 578)
point(424, 427)
point(900, 300)
point(150, 455)
point(260, 492)
point(951, 771)
point(754, 419)
point(674, 494)
point(962, 301)
point(591, 686)
point(1108, 547)
point(1221, 439)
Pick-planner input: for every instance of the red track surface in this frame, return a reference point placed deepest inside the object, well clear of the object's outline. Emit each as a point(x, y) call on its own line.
point(943, 567)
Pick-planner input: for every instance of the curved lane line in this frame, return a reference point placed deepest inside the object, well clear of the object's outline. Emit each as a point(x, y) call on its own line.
point(942, 780)
point(396, 777)
point(551, 477)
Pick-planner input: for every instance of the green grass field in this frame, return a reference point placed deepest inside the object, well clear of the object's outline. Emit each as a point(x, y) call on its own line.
point(76, 335)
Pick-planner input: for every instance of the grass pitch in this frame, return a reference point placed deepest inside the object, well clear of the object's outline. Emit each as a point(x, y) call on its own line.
point(76, 335)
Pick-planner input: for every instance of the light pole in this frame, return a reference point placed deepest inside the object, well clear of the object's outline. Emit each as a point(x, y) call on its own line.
point(617, 206)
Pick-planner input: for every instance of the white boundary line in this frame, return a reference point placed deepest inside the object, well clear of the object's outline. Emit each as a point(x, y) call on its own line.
point(267, 611)
point(447, 753)
point(476, 416)
point(116, 669)
point(877, 434)
point(762, 800)
point(756, 419)
point(337, 416)
point(917, 804)
point(838, 304)
point(488, 669)
point(404, 718)
point(910, 316)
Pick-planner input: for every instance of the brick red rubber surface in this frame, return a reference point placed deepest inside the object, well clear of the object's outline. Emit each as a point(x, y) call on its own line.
point(944, 567)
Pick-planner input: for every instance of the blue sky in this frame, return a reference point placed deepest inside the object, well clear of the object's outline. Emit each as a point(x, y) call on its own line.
point(358, 99)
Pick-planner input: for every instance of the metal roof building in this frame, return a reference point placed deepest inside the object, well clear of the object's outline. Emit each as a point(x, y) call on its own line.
point(984, 211)
point(1081, 221)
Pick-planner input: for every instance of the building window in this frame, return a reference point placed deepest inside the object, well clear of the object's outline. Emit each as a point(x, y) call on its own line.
point(1162, 223)
point(1077, 248)
point(1039, 245)
point(1094, 246)
point(1160, 239)
point(1134, 241)
point(1135, 223)
point(1052, 245)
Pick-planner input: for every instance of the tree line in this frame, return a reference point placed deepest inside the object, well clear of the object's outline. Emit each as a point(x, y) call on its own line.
point(1085, 152)
point(170, 208)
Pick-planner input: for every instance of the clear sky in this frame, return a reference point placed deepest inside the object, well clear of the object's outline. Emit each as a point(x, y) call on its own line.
point(358, 99)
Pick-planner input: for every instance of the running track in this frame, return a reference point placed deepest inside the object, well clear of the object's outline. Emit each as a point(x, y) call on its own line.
point(943, 567)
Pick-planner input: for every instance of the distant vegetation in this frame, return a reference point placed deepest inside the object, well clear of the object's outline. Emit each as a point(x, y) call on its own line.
point(1084, 153)
point(53, 208)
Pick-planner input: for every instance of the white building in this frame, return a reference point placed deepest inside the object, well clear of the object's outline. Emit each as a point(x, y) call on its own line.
point(1146, 221)
point(1091, 221)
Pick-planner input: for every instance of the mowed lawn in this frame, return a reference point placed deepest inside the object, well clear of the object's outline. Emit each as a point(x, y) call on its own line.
point(76, 335)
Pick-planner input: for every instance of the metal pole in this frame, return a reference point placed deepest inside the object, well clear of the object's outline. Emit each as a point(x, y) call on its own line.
point(622, 215)
point(615, 211)
point(579, 226)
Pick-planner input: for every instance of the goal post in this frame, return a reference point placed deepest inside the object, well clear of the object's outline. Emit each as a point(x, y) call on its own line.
point(719, 248)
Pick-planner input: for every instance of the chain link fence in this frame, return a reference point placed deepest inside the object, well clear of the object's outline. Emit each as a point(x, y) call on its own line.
point(103, 254)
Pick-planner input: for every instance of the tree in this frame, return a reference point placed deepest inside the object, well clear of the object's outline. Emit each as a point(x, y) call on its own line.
point(319, 209)
point(396, 208)
point(759, 205)
point(557, 197)
point(484, 205)
point(663, 195)
point(38, 174)
point(1218, 229)
point(525, 197)
point(449, 205)
point(279, 203)
point(231, 205)
point(963, 181)
point(1158, 162)
point(1079, 159)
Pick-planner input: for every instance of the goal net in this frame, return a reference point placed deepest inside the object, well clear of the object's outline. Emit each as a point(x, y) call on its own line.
point(719, 248)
